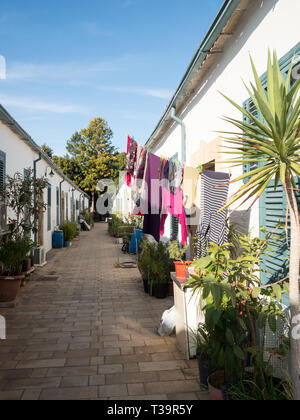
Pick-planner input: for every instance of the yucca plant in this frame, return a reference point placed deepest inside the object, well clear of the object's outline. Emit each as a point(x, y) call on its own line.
point(274, 143)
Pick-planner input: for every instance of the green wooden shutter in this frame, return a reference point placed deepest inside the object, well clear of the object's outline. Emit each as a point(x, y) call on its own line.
point(67, 206)
point(26, 212)
point(2, 170)
point(3, 210)
point(49, 202)
point(273, 209)
point(57, 206)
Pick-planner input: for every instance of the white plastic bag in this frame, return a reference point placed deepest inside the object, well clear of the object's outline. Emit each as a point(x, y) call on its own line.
point(167, 323)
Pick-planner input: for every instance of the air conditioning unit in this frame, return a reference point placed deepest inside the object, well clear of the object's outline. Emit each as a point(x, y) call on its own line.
point(39, 256)
point(3, 218)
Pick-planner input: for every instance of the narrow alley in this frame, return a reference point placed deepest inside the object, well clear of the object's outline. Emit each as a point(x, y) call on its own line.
point(84, 329)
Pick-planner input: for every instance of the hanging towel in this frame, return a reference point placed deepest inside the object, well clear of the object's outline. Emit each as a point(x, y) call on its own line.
point(212, 226)
point(173, 204)
point(140, 192)
point(189, 187)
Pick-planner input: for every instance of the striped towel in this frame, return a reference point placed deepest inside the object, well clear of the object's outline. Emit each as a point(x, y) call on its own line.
point(212, 226)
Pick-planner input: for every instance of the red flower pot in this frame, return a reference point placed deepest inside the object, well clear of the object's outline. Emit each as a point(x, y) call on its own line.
point(9, 287)
point(181, 268)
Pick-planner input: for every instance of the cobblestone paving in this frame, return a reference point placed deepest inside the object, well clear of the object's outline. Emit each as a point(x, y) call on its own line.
point(90, 334)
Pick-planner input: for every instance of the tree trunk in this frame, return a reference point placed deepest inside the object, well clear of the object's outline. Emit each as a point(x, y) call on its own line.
point(294, 283)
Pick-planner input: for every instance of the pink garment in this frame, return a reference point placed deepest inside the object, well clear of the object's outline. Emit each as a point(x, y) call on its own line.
point(173, 204)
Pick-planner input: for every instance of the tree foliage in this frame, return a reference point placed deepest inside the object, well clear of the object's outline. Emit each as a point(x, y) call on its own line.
point(92, 150)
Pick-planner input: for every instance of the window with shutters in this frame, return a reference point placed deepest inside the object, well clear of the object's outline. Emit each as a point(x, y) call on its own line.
point(49, 199)
point(3, 209)
point(273, 205)
point(284, 65)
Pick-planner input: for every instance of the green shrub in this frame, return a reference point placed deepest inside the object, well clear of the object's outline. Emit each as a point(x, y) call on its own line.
point(70, 231)
point(13, 252)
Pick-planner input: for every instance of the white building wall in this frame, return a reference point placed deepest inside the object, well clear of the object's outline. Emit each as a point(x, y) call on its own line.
point(266, 24)
point(20, 156)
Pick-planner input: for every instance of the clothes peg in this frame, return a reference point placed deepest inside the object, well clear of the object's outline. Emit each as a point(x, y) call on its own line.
point(200, 169)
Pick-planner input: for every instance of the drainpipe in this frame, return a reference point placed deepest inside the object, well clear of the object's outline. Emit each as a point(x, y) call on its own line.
point(61, 210)
point(183, 134)
point(34, 197)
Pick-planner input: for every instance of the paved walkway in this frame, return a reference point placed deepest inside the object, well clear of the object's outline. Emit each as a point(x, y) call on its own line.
point(90, 334)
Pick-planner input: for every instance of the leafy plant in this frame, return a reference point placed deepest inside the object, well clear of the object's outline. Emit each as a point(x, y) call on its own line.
point(70, 231)
point(202, 341)
point(12, 253)
point(155, 262)
point(20, 195)
point(274, 144)
point(177, 252)
point(236, 304)
point(247, 390)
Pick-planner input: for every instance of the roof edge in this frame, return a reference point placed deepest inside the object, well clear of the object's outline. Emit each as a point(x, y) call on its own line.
point(12, 123)
point(226, 11)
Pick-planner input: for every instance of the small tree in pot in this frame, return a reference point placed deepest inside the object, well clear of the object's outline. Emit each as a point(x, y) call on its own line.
point(19, 194)
point(177, 254)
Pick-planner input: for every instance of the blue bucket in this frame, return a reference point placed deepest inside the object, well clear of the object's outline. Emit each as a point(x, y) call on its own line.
point(136, 240)
point(58, 239)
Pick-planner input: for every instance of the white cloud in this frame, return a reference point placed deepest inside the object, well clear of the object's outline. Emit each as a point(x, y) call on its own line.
point(67, 71)
point(30, 104)
point(131, 90)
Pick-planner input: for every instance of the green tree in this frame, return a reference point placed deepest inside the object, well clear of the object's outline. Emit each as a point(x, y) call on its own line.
point(47, 149)
point(70, 168)
point(275, 144)
point(118, 165)
point(92, 150)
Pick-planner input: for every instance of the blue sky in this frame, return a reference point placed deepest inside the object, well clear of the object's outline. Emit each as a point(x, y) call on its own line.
point(71, 60)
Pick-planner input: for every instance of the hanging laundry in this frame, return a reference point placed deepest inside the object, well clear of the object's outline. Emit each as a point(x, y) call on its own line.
point(153, 205)
point(137, 160)
point(173, 204)
point(189, 187)
point(139, 190)
point(131, 159)
point(212, 226)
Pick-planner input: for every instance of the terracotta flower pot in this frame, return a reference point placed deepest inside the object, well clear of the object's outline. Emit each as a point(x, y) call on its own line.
point(181, 268)
point(216, 382)
point(9, 288)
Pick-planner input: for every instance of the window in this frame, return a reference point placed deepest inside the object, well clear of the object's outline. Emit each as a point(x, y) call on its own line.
point(3, 211)
point(284, 65)
point(49, 192)
point(273, 203)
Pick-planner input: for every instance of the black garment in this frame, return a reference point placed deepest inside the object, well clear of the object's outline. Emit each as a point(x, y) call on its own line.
point(152, 219)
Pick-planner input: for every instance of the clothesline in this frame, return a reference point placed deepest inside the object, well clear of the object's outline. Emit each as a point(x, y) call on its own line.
point(162, 186)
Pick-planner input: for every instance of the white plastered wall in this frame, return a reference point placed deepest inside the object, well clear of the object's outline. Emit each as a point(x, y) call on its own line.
point(20, 156)
point(266, 24)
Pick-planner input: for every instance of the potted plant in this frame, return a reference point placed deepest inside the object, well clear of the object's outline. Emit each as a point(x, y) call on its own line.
point(19, 195)
point(201, 338)
point(13, 252)
point(237, 306)
point(271, 143)
point(160, 271)
point(177, 254)
point(69, 229)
